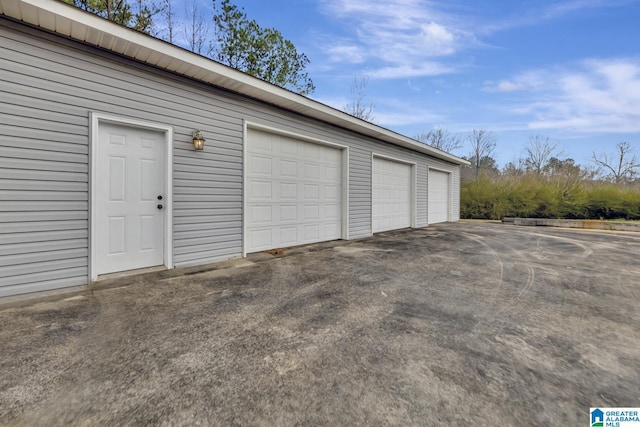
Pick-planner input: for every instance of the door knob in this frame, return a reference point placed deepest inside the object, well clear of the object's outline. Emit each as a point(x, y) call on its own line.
point(159, 206)
point(159, 197)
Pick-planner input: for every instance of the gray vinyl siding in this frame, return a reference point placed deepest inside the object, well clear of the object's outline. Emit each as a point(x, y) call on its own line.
point(49, 87)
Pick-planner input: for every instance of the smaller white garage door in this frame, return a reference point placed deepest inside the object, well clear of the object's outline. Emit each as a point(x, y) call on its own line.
point(392, 199)
point(439, 196)
point(294, 192)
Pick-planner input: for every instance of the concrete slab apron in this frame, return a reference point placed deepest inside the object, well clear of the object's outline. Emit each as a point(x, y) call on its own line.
point(453, 324)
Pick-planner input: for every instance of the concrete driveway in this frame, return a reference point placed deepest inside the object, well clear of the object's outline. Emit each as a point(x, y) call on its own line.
point(457, 324)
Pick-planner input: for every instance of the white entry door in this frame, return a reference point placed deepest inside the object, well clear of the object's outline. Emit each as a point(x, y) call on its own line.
point(293, 192)
point(130, 200)
point(438, 197)
point(392, 198)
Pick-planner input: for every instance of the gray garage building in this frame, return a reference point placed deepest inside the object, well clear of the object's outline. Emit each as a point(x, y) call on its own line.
point(98, 171)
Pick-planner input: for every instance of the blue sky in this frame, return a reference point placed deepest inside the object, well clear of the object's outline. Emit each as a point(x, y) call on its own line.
point(565, 69)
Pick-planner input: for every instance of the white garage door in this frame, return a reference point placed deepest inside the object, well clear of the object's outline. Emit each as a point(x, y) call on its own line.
point(391, 208)
point(294, 192)
point(438, 199)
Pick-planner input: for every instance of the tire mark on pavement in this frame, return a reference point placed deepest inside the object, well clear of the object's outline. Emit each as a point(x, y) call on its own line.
point(587, 251)
point(510, 302)
point(478, 239)
point(626, 289)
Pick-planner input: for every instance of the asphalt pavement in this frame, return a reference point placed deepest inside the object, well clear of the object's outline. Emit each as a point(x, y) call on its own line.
point(454, 324)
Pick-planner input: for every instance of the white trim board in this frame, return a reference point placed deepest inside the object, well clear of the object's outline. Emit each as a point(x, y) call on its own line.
point(95, 119)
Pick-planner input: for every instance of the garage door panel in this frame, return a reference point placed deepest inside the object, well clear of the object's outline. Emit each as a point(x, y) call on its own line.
point(288, 235)
point(259, 165)
point(332, 174)
point(288, 213)
point(332, 231)
point(311, 233)
point(311, 152)
point(305, 200)
point(311, 212)
point(311, 192)
point(261, 238)
point(288, 169)
point(311, 171)
point(330, 212)
point(259, 214)
point(330, 192)
point(288, 191)
point(287, 147)
point(261, 143)
point(260, 190)
point(333, 156)
point(391, 195)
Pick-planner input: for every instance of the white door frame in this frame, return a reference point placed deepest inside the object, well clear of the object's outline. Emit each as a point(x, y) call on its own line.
point(449, 186)
point(345, 174)
point(94, 124)
point(412, 190)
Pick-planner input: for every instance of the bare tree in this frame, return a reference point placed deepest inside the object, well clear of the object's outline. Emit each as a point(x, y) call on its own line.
point(621, 167)
point(441, 139)
point(514, 168)
point(483, 143)
point(358, 107)
point(196, 29)
point(169, 20)
point(539, 151)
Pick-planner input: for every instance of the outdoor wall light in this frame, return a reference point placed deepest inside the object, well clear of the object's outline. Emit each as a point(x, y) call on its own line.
point(198, 140)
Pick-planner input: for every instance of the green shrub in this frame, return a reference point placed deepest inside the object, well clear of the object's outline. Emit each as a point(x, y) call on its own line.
point(537, 196)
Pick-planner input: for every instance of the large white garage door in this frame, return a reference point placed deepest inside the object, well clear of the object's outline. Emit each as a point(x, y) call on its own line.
point(391, 195)
point(294, 192)
point(438, 199)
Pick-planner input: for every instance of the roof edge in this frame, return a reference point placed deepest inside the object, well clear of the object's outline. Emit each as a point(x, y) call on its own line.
point(74, 23)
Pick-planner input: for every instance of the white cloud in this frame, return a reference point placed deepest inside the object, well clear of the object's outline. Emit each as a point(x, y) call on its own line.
point(410, 70)
point(503, 86)
point(569, 6)
point(434, 34)
point(396, 38)
point(524, 81)
point(337, 102)
point(414, 38)
point(404, 117)
point(346, 53)
point(394, 113)
point(391, 113)
point(597, 95)
point(538, 12)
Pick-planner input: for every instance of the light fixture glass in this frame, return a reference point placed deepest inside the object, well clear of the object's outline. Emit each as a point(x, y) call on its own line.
point(198, 140)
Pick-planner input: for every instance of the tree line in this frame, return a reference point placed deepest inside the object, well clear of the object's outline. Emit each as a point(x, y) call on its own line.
point(545, 183)
point(227, 35)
